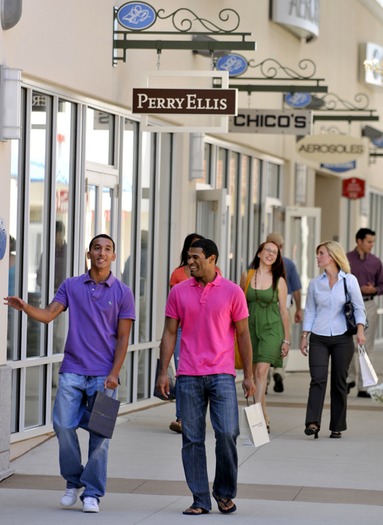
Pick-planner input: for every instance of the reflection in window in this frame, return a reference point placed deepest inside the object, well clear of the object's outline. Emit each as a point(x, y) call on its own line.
point(206, 163)
point(273, 180)
point(221, 168)
point(242, 264)
point(129, 162)
point(35, 381)
point(12, 346)
point(36, 234)
point(233, 178)
point(147, 161)
point(65, 158)
point(100, 137)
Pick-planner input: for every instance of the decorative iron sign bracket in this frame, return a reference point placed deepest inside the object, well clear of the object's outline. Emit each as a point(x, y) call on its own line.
point(336, 109)
point(137, 17)
point(271, 69)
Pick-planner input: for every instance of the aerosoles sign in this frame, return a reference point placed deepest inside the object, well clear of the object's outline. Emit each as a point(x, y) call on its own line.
point(330, 148)
point(185, 101)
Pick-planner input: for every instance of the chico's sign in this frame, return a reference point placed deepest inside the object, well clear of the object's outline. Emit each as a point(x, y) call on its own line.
point(330, 148)
point(185, 101)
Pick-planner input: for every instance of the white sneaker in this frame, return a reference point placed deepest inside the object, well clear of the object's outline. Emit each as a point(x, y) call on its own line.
point(70, 497)
point(90, 505)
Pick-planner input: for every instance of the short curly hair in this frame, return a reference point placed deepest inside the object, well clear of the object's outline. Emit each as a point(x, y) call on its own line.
point(208, 247)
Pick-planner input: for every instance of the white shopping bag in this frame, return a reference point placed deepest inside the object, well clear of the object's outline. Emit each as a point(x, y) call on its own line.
point(257, 424)
point(367, 371)
point(244, 429)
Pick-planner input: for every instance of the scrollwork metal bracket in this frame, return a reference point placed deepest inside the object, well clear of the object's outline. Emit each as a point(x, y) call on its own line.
point(271, 69)
point(334, 108)
point(137, 17)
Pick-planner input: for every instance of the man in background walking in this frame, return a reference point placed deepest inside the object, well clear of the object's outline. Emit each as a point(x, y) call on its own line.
point(368, 269)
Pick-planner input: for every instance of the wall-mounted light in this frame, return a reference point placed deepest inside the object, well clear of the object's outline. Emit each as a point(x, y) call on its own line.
point(10, 103)
point(10, 13)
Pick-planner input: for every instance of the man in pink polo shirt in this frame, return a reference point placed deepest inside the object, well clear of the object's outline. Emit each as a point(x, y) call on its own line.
point(209, 309)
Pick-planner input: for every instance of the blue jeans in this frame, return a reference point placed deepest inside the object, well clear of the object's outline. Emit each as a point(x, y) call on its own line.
point(176, 359)
point(69, 413)
point(195, 394)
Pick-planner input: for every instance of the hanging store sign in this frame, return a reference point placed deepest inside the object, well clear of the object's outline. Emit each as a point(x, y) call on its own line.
point(298, 100)
point(339, 168)
point(300, 17)
point(233, 63)
point(288, 122)
point(330, 148)
point(136, 16)
point(185, 101)
point(353, 188)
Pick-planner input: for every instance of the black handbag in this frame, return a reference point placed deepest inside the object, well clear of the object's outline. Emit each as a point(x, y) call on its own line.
point(349, 313)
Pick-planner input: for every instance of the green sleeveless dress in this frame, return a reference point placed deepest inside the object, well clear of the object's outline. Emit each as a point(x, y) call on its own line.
point(265, 325)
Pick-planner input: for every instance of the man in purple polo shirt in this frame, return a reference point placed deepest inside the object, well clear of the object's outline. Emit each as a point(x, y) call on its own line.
point(209, 309)
point(368, 269)
point(101, 311)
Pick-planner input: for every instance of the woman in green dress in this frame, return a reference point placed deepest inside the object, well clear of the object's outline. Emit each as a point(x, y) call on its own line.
point(268, 316)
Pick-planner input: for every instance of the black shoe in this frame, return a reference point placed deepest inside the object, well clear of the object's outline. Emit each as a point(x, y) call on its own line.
point(363, 393)
point(278, 385)
point(312, 430)
point(336, 435)
point(350, 385)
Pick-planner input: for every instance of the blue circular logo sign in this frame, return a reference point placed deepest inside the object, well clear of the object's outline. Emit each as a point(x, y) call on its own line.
point(378, 142)
point(298, 100)
point(235, 64)
point(136, 16)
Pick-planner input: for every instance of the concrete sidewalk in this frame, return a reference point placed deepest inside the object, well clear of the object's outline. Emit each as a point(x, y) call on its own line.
point(292, 480)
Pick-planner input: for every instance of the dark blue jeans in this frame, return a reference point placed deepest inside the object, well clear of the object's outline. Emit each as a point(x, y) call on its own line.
point(218, 392)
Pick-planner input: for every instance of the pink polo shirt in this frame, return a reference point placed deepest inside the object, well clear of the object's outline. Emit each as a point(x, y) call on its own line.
point(207, 316)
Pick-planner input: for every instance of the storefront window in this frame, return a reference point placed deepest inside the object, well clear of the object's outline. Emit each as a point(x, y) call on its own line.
point(129, 166)
point(36, 235)
point(221, 168)
point(100, 137)
point(14, 259)
point(65, 157)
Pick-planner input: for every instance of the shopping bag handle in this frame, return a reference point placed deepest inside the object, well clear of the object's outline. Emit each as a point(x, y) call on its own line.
point(247, 401)
point(361, 349)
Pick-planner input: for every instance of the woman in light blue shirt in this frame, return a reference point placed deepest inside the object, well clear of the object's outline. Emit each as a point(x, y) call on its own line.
point(325, 321)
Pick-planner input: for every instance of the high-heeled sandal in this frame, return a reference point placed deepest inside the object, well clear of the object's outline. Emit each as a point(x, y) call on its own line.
point(312, 430)
point(336, 435)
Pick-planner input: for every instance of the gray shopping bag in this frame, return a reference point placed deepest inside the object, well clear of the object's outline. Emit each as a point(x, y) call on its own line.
point(103, 415)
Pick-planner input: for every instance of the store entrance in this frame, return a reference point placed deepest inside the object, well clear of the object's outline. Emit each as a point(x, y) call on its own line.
point(302, 235)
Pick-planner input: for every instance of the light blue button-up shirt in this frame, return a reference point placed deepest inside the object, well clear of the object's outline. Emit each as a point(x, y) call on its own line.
point(324, 310)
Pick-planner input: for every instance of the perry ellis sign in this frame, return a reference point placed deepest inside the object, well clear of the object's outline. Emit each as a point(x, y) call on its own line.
point(331, 148)
point(185, 101)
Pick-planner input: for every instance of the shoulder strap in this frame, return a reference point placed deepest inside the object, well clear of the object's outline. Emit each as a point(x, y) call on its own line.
point(249, 276)
point(345, 288)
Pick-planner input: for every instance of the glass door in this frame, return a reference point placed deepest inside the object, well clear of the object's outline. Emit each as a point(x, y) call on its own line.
point(212, 221)
point(302, 235)
point(100, 206)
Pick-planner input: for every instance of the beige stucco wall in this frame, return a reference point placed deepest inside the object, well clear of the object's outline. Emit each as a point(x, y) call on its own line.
point(71, 45)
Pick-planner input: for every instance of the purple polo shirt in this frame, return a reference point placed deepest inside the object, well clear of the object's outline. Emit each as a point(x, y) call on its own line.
point(369, 269)
point(207, 316)
point(94, 312)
